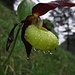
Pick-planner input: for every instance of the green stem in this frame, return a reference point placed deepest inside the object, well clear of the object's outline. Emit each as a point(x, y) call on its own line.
point(8, 58)
point(29, 66)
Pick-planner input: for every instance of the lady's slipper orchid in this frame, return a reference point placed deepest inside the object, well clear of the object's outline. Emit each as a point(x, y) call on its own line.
point(37, 11)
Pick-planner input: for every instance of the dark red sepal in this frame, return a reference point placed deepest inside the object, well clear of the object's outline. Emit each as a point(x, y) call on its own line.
point(68, 4)
point(27, 45)
point(10, 38)
point(42, 8)
point(64, 3)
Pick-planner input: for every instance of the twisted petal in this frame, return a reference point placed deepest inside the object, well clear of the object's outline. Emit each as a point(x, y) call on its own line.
point(43, 8)
point(10, 38)
point(64, 3)
point(27, 45)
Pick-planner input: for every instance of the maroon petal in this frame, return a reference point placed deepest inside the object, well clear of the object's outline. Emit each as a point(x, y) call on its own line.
point(68, 4)
point(27, 45)
point(10, 38)
point(61, 0)
point(43, 8)
point(64, 3)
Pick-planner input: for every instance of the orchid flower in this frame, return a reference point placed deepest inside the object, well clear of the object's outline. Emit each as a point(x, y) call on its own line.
point(37, 11)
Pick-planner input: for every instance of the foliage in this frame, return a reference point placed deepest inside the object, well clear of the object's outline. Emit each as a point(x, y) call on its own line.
point(8, 3)
point(24, 9)
point(60, 62)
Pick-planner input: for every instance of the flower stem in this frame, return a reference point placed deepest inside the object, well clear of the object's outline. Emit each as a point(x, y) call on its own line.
point(8, 57)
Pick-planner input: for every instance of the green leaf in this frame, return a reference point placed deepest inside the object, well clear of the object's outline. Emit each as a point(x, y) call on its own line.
point(24, 9)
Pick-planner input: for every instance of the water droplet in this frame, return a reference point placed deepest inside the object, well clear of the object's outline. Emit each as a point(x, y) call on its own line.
point(38, 35)
point(44, 51)
point(34, 49)
point(27, 58)
point(41, 40)
point(49, 44)
point(51, 52)
point(35, 38)
point(45, 32)
point(49, 36)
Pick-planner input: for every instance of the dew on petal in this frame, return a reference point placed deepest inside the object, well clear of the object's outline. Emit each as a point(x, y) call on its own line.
point(48, 46)
point(35, 38)
point(40, 40)
point(45, 32)
point(38, 35)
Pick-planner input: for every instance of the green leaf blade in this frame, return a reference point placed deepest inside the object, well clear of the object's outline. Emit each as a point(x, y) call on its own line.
point(24, 9)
